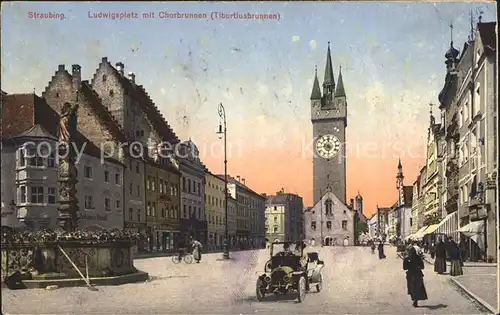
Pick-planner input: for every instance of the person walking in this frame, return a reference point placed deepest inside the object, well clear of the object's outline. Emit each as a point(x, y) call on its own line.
point(381, 254)
point(413, 264)
point(440, 259)
point(454, 254)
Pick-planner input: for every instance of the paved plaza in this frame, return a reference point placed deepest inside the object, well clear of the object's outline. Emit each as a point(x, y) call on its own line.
point(355, 282)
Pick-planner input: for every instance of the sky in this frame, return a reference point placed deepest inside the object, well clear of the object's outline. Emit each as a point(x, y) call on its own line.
point(391, 54)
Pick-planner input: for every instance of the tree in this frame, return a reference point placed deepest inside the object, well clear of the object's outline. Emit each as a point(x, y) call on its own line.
point(359, 227)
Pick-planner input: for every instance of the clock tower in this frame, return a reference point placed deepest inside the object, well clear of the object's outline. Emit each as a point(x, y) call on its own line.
point(329, 120)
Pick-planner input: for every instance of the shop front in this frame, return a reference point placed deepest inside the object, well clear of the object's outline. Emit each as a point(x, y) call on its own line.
point(140, 228)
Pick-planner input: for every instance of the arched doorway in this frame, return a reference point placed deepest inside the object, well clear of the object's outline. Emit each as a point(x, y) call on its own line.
point(328, 241)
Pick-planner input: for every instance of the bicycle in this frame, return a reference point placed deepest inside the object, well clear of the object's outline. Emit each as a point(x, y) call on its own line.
point(188, 258)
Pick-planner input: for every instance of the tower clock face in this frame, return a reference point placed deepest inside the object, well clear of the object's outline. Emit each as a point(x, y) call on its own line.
point(328, 146)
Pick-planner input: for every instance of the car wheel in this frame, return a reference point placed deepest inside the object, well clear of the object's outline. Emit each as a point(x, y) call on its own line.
point(319, 286)
point(259, 290)
point(301, 289)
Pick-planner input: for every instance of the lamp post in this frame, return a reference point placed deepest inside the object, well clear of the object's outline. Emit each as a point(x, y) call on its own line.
point(223, 133)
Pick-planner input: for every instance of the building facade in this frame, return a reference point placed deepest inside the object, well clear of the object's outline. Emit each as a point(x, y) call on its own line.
point(373, 226)
point(476, 98)
point(30, 180)
point(330, 222)
point(232, 207)
point(284, 217)
point(250, 213)
point(383, 222)
point(193, 220)
point(162, 206)
point(215, 210)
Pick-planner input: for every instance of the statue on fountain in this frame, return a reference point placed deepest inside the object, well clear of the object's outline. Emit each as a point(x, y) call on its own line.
point(68, 203)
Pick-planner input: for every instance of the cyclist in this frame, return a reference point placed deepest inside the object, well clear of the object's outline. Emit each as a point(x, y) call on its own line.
point(181, 249)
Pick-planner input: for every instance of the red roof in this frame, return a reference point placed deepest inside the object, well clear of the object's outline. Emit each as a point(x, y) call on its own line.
point(148, 107)
point(22, 111)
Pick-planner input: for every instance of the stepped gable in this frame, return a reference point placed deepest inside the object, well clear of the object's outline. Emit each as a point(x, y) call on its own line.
point(60, 70)
point(148, 107)
point(104, 115)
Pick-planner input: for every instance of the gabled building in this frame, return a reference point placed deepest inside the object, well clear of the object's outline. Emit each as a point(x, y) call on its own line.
point(30, 173)
point(135, 112)
point(330, 221)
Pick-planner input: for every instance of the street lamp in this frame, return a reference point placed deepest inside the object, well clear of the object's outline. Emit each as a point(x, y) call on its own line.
point(223, 133)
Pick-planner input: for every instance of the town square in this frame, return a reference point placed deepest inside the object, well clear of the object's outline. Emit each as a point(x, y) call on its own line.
point(220, 158)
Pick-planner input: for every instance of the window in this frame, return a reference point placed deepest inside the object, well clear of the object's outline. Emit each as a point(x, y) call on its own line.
point(460, 118)
point(87, 172)
point(199, 189)
point(111, 92)
point(477, 101)
point(118, 205)
point(137, 168)
point(184, 212)
point(118, 179)
point(22, 157)
point(148, 183)
point(51, 161)
point(33, 159)
point(189, 186)
point(51, 192)
point(153, 184)
point(148, 209)
point(329, 225)
point(88, 202)
point(138, 214)
point(107, 204)
point(328, 207)
point(130, 214)
point(23, 194)
point(153, 209)
point(275, 229)
point(104, 77)
point(275, 208)
point(37, 194)
point(138, 190)
point(313, 225)
point(344, 224)
point(199, 213)
point(160, 186)
point(131, 189)
point(106, 176)
point(183, 184)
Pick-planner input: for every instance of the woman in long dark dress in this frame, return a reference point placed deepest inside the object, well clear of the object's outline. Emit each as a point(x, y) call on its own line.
point(440, 260)
point(455, 263)
point(413, 264)
point(381, 254)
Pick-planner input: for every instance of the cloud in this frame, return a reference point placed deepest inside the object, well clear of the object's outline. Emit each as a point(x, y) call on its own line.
point(312, 44)
point(162, 91)
point(295, 38)
point(262, 88)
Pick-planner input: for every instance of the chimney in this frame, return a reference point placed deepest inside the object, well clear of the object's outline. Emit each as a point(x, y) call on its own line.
point(77, 77)
point(131, 77)
point(60, 68)
point(238, 178)
point(104, 59)
point(120, 67)
point(243, 180)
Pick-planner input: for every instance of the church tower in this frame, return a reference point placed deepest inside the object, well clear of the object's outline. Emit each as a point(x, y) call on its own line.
point(400, 184)
point(329, 120)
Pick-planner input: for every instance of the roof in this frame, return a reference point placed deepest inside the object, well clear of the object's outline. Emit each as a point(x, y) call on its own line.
point(340, 91)
point(329, 80)
point(30, 115)
point(383, 209)
point(233, 180)
point(488, 34)
point(148, 107)
point(102, 113)
point(278, 199)
point(316, 90)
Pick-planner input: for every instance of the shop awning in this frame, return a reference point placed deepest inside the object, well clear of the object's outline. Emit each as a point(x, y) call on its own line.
point(420, 233)
point(409, 237)
point(473, 228)
point(431, 229)
point(475, 231)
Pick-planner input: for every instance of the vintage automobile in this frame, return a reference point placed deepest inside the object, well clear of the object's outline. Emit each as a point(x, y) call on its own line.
point(285, 272)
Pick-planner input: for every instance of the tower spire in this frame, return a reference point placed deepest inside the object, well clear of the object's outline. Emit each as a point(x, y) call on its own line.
point(316, 91)
point(340, 84)
point(329, 81)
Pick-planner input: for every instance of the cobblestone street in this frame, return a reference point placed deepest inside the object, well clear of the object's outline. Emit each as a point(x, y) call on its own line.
point(355, 281)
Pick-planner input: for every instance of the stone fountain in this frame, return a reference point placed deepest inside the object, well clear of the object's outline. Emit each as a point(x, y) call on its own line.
point(68, 256)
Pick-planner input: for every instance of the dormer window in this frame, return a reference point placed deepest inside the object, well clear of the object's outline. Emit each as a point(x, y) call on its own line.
point(328, 207)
